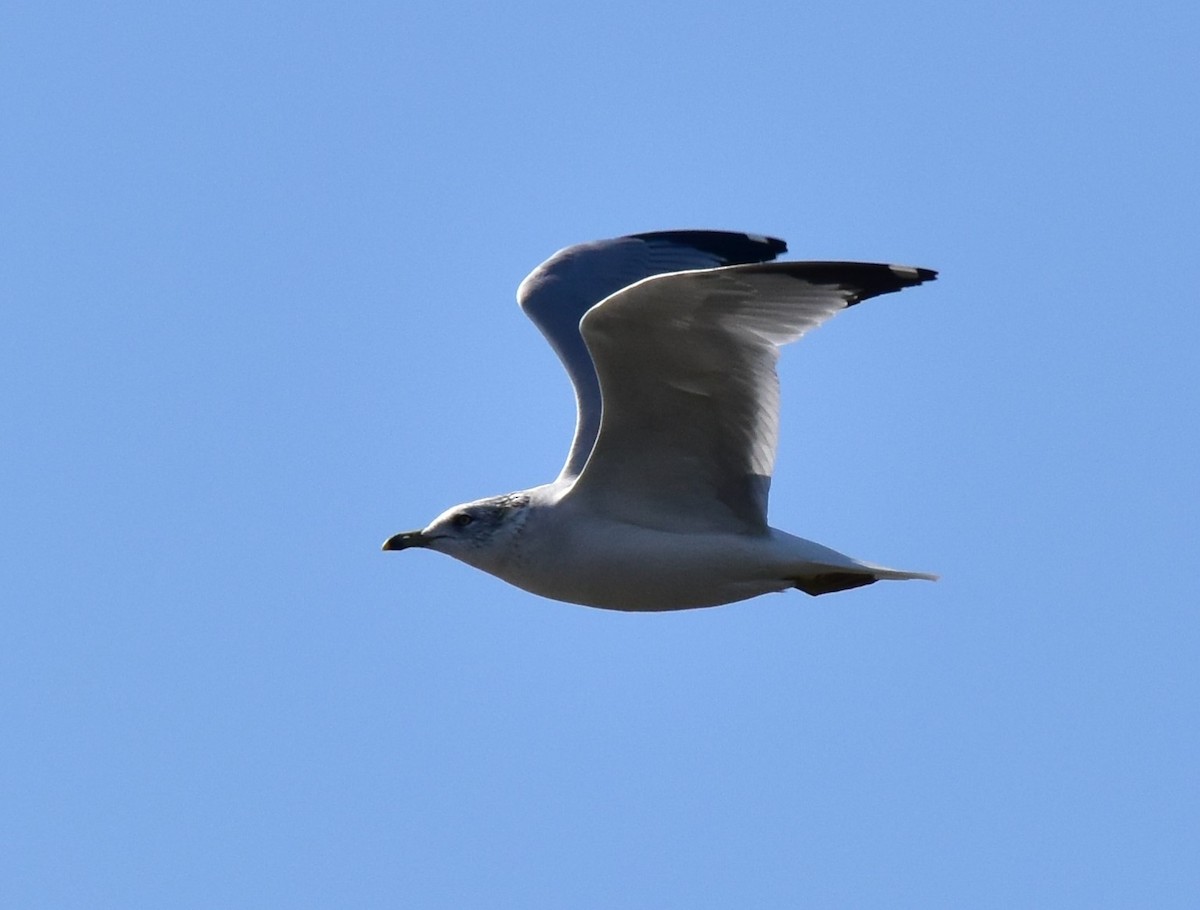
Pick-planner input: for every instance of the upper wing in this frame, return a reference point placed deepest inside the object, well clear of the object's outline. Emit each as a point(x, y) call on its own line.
point(564, 287)
point(686, 363)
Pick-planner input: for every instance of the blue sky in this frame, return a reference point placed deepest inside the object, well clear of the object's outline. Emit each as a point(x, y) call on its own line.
point(257, 266)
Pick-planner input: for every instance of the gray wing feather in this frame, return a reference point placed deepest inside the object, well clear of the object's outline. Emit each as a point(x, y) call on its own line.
point(686, 366)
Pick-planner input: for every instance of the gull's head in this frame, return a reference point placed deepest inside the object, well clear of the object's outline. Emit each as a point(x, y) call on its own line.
point(478, 533)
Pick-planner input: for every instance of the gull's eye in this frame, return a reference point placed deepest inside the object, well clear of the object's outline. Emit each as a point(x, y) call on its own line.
point(462, 519)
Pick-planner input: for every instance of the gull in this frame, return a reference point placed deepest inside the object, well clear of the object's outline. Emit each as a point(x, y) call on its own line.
point(670, 339)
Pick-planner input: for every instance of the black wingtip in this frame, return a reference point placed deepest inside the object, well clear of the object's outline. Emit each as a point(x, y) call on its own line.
point(912, 275)
point(871, 280)
point(862, 280)
point(730, 247)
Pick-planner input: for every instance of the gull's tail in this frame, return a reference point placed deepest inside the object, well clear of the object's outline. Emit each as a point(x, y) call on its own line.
point(843, 579)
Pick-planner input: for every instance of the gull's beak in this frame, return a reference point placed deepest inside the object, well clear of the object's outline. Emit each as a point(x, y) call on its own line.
point(405, 540)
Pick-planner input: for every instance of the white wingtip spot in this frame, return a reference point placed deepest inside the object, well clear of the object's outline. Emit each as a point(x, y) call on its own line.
point(906, 270)
point(759, 238)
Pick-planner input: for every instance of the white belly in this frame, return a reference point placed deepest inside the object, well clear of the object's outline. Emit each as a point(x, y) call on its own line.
point(623, 567)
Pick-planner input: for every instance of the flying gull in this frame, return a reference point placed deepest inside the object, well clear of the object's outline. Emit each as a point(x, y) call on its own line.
point(671, 340)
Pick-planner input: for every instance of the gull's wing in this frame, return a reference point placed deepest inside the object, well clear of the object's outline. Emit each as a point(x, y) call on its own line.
point(686, 363)
point(564, 287)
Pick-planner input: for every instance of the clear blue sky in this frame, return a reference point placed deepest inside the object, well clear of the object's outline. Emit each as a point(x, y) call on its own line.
point(257, 267)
